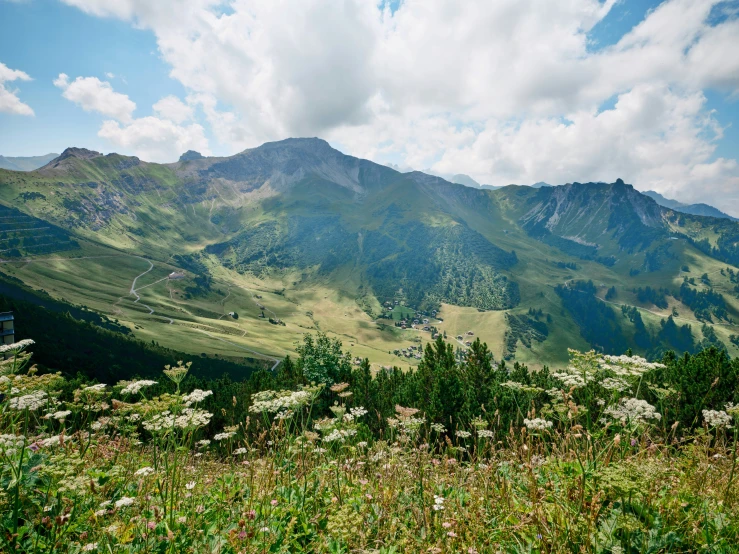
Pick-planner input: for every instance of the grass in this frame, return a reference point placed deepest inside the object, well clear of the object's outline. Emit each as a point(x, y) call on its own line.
point(136, 478)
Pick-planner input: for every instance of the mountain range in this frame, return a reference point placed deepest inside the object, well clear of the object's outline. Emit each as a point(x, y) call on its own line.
point(25, 163)
point(581, 265)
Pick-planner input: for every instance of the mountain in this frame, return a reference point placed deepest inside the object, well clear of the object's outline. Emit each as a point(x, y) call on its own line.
point(531, 270)
point(694, 209)
point(462, 179)
point(25, 163)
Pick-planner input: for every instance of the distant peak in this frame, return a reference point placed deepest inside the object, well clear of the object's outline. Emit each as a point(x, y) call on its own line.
point(620, 181)
point(191, 155)
point(74, 152)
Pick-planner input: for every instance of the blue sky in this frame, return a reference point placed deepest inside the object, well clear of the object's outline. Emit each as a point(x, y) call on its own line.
point(472, 88)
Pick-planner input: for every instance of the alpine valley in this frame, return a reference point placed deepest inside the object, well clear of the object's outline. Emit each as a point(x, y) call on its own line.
point(238, 257)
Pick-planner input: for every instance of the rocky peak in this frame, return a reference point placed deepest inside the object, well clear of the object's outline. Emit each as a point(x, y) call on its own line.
point(191, 155)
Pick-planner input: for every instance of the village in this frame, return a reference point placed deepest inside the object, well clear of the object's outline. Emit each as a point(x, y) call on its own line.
point(409, 318)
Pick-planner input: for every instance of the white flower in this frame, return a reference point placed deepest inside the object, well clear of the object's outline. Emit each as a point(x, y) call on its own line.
point(633, 410)
point(717, 418)
point(143, 472)
point(537, 424)
point(438, 503)
point(276, 401)
point(16, 346)
point(485, 433)
point(10, 444)
point(240, 451)
point(125, 501)
point(51, 441)
point(30, 402)
point(135, 386)
point(611, 383)
point(89, 547)
point(196, 396)
point(189, 486)
point(223, 436)
point(463, 434)
point(339, 435)
point(438, 427)
point(357, 412)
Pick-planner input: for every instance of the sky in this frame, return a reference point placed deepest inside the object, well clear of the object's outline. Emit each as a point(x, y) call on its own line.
point(505, 91)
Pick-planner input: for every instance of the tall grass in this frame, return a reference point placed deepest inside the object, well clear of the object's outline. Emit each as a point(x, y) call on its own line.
point(113, 470)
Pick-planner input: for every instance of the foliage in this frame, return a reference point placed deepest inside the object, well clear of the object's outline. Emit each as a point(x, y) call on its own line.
point(592, 457)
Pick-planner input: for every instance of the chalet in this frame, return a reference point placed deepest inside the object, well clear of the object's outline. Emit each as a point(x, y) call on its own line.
point(427, 328)
point(459, 337)
point(468, 343)
point(425, 321)
point(7, 331)
point(470, 333)
point(175, 275)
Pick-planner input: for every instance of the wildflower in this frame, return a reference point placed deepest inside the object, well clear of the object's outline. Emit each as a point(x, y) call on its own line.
point(485, 433)
point(339, 435)
point(196, 396)
point(203, 442)
point(717, 418)
point(30, 402)
point(616, 384)
point(537, 424)
point(633, 410)
point(358, 412)
point(264, 530)
point(438, 503)
point(51, 441)
point(100, 513)
point(224, 436)
point(273, 401)
point(240, 451)
point(95, 389)
point(463, 434)
point(362, 444)
point(16, 347)
point(274, 502)
point(89, 547)
point(59, 416)
point(143, 472)
point(182, 519)
point(446, 525)
point(438, 427)
point(451, 534)
point(177, 373)
point(134, 387)
point(189, 486)
point(125, 501)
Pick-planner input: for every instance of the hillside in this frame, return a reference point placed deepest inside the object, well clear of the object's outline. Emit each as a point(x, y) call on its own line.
point(294, 236)
point(694, 209)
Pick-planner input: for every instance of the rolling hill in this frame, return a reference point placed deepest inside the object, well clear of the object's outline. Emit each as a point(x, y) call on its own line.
point(296, 236)
point(25, 163)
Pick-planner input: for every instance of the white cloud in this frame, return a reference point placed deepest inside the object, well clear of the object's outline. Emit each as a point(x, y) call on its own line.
point(154, 139)
point(94, 95)
point(173, 109)
point(9, 101)
point(504, 91)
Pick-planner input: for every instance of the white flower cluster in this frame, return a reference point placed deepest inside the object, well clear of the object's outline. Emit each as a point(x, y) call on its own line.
point(717, 418)
point(189, 418)
point(485, 433)
point(339, 435)
point(60, 415)
point(614, 383)
point(438, 427)
point(31, 402)
point(355, 413)
point(438, 503)
point(10, 444)
point(196, 396)
point(16, 346)
point(633, 410)
point(275, 401)
point(134, 387)
point(143, 472)
point(628, 366)
point(95, 389)
point(537, 424)
point(51, 441)
point(240, 451)
point(574, 377)
point(224, 436)
point(124, 501)
point(463, 434)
